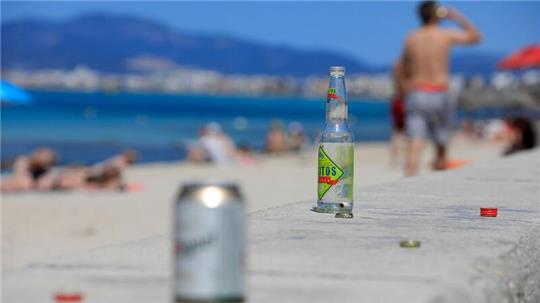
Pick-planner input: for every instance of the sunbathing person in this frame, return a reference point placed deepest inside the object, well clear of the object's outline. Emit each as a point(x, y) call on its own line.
point(213, 146)
point(120, 161)
point(108, 177)
point(31, 172)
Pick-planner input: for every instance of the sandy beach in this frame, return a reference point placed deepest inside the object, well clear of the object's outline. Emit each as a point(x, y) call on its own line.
point(36, 225)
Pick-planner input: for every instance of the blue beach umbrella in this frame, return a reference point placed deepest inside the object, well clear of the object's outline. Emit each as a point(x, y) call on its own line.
point(10, 93)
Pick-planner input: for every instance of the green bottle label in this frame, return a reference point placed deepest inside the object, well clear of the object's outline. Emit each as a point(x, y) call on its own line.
point(336, 172)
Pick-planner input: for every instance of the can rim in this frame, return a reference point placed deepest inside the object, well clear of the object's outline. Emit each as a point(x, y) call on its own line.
point(224, 192)
point(210, 182)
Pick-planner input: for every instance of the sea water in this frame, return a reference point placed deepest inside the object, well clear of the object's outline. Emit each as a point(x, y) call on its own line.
point(87, 127)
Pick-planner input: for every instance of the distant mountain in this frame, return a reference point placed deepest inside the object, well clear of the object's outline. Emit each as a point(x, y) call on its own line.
point(120, 44)
point(111, 43)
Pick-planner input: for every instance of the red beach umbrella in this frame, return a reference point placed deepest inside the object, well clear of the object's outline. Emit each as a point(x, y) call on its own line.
point(527, 57)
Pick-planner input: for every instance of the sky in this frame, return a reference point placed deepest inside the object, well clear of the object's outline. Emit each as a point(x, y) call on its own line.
point(368, 31)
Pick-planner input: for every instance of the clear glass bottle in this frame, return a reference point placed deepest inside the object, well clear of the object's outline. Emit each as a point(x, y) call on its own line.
point(336, 151)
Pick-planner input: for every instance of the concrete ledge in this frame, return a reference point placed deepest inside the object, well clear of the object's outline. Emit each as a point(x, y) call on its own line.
point(299, 256)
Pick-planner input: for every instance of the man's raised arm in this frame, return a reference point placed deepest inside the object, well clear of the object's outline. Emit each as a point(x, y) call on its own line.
point(469, 34)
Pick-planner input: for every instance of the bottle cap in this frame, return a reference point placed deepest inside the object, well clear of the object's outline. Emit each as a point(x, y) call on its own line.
point(344, 215)
point(337, 69)
point(488, 212)
point(410, 243)
point(68, 297)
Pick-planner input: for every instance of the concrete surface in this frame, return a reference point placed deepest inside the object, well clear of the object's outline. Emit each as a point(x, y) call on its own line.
point(39, 225)
point(299, 256)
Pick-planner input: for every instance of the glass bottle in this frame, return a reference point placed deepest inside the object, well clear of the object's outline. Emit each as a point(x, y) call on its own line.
point(336, 151)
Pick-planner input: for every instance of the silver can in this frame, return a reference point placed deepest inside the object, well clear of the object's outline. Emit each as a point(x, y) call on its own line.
point(209, 240)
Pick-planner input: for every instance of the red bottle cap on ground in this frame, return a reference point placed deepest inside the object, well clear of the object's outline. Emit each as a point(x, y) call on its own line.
point(68, 297)
point(488, 212)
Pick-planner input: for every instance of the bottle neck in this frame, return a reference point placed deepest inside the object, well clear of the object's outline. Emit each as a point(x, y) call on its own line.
point(336, 100)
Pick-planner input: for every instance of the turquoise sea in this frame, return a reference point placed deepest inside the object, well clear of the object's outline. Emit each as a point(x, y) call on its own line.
point(87, 127)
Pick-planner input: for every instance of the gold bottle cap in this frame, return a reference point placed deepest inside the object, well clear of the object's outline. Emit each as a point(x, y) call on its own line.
point(344, 215)
point(410, 243)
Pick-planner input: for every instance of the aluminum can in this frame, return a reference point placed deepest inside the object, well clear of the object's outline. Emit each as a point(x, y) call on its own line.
point(209, 243)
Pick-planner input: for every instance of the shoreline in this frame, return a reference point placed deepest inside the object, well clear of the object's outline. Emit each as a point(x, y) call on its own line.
point(318, 98)
point(173, 150)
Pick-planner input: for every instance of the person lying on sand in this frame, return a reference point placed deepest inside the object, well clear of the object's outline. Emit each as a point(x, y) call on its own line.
point(31, 172)
point(108, 177)
point(121, 161)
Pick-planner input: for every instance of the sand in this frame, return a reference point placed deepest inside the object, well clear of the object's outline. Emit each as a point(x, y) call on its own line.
point(36, 226)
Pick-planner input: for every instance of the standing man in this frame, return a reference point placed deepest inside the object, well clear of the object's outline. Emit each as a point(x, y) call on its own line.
point(423, 71)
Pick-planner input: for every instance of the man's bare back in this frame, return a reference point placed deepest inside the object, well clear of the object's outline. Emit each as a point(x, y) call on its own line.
point(426, 51)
